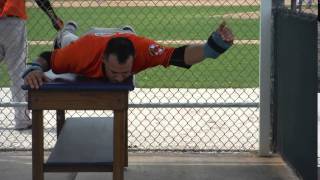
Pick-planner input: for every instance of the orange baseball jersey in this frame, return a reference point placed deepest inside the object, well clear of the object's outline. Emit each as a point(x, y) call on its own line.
point(85, 55)
point(13, 8)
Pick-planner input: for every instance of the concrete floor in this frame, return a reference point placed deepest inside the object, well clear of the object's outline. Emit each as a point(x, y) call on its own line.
point(165, 166)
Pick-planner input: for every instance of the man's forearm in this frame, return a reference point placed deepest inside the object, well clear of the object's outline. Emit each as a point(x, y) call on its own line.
point(213, 48)
point(194, 54)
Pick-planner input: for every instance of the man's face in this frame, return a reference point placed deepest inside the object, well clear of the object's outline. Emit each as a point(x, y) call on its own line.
point(118, 72)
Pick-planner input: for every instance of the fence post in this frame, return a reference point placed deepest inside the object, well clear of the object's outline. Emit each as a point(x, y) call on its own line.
point(293, 5)
point(265, 77)
point(277, 3)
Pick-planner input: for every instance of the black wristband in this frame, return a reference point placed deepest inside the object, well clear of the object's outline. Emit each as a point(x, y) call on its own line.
point(29, 69)
point(177, 57)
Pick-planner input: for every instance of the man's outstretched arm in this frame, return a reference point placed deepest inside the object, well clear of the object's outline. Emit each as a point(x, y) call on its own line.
point(45, 5)
point(218, 42)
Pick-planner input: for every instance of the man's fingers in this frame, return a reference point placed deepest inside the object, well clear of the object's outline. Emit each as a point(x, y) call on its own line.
point(224, 31)
point(227, 35)
point(229, 39)
point(222, 25)
point(32, 83)
point(29, 82)
point(35, 79)
point(35, 82)
point(39, 79)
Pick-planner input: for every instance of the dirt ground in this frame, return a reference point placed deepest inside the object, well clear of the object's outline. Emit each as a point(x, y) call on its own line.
point(247, 15)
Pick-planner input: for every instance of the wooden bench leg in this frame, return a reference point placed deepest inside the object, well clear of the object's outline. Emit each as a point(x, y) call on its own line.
point(118, 144)
point(126, 140)
point(37, 145)
point(60, 120)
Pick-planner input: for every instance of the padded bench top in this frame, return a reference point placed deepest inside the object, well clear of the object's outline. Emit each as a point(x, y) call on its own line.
point(71, 82)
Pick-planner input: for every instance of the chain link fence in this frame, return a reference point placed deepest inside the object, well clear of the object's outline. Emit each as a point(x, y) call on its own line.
point(211, 107)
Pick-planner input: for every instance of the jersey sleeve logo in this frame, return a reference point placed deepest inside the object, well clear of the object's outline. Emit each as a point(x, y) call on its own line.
point(155, 50)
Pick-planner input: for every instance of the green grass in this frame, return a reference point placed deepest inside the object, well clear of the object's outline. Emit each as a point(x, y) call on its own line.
point(234, 69)
point(5, 82)
point(237, 68)
point(154, 22)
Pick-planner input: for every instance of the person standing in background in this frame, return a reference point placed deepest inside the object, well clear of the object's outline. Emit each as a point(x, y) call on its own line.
point(299, 4)
point(13, 49)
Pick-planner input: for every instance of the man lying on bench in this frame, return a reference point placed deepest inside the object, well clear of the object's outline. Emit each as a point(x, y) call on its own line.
point(117, 53)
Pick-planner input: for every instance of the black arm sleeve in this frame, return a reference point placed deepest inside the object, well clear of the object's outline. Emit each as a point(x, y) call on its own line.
point(45, 5)
point(47, 56)
point(177, 58)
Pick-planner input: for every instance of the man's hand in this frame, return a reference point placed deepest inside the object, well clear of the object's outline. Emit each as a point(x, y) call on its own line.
point(57, 23)
point(218, 42)
point(225, 33)
point(35, 79)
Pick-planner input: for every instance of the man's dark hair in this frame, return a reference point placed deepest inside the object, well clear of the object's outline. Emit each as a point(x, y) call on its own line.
point(121, 47)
